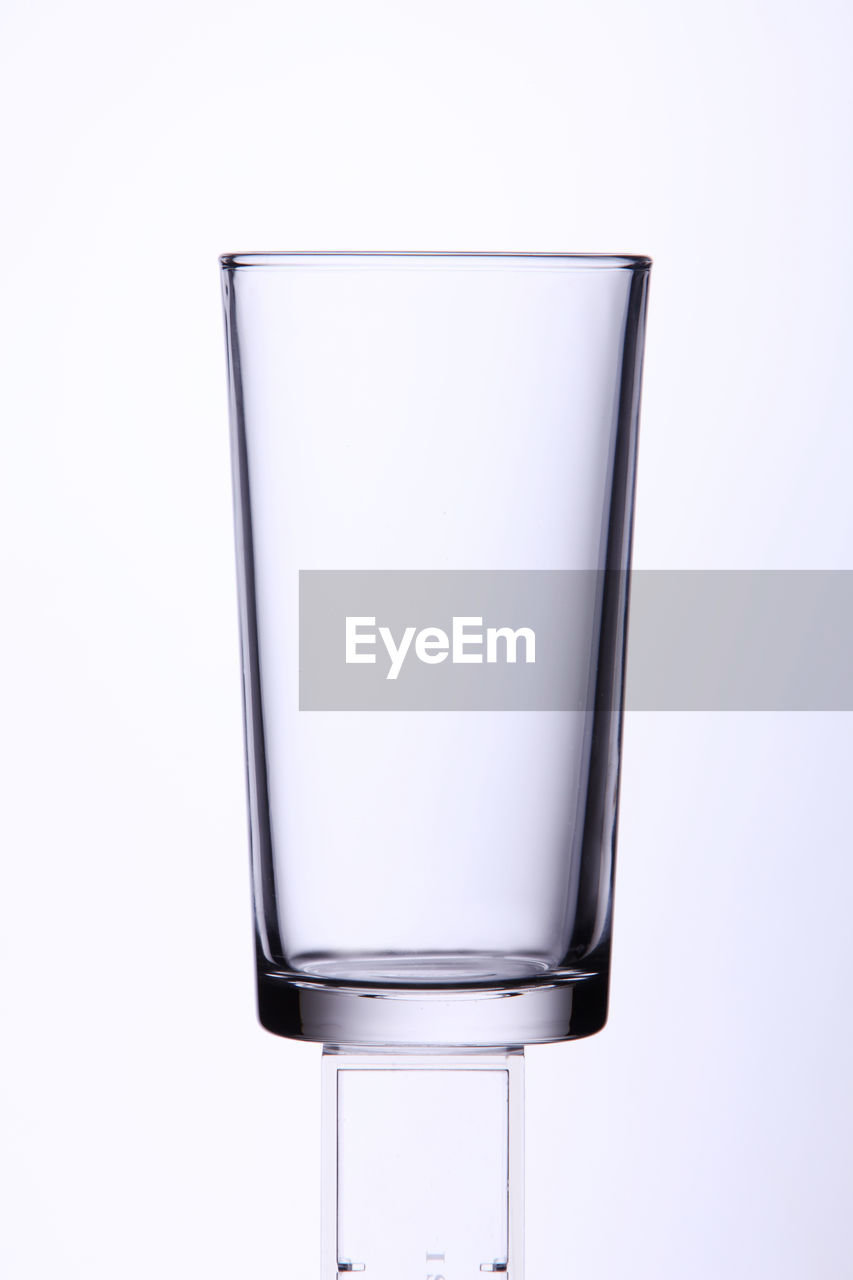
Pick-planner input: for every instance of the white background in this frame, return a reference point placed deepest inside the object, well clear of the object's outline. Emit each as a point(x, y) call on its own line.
point(150, 1127)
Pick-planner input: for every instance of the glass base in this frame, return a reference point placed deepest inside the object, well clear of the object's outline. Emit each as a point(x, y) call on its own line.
point(563, 1006)
point(423, 1164)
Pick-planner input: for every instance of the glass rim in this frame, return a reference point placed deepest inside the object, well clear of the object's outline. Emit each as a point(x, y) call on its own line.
point(343, 258)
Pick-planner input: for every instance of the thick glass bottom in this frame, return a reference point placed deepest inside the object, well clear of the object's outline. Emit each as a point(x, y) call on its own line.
point(559, 1006)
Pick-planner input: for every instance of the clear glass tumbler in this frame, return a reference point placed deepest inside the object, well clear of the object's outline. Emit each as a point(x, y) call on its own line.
point(435, 875)
point(434, 460)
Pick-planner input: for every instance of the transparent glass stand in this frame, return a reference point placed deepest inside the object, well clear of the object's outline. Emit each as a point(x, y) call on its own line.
point(423, 1164)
